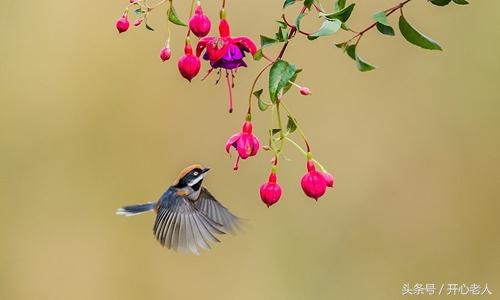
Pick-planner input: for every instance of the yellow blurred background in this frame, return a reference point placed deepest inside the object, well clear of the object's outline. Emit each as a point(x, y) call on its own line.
point(91, 120)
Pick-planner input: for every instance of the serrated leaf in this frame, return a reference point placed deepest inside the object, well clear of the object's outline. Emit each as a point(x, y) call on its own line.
point(362, 65)
point(328, 27)
point(384, 29)
point(279, 75)
point(291, 125)
point(262, 104)
point(461, 2)
point(308, 3)
point(288, 3)
point(415, 37)
point(266, 41)
point(342, 15)
point(381, 18)
point(339, 4)
point(440, 2)
point(174, 18)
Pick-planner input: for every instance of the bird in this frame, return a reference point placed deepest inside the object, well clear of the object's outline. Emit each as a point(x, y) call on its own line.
point(188, 216)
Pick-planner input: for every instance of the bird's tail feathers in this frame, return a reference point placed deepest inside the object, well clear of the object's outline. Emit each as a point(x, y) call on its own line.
point(137, 209)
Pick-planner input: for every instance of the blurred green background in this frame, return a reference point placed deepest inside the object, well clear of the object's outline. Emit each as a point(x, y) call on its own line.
point(91, 120)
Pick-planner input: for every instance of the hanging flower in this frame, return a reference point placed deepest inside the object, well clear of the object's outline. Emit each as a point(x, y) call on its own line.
point(122, 24)
point(270, 191)
point(245, 143)
point(189, 65)
point(313, 182)
point(199, 24)
point(226, 52)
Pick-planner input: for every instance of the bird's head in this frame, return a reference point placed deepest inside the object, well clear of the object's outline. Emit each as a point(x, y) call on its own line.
point(191, 178)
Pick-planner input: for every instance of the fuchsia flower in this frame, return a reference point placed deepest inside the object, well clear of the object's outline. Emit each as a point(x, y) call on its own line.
point(313, 182)
point(199, 24)
point(165, 53)
point(330, 182)
point(122, 23)
point(305, 91)
point(270, 191)
point(225, 52)
point(245, 143)
point(189, 65)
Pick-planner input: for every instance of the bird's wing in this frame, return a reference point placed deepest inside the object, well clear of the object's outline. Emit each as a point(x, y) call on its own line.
point(182, 227)
point(213, 209)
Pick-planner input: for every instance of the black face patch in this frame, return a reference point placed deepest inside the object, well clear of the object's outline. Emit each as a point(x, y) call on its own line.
point(189, 177)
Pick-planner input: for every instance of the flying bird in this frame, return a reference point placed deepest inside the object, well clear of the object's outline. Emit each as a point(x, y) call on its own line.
point(188, 216)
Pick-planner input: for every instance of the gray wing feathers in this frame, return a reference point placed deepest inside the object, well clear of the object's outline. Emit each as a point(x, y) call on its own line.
point(180, 226)
point(214, 210)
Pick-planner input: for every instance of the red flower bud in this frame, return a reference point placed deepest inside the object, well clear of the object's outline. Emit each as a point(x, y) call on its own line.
point(305, 91)
point(270, 191)
point(330, 182)
point(199, 24)
point(165, 54)
point(313, 182)
point(122, 24)
point(138, 22)
point(189, 64)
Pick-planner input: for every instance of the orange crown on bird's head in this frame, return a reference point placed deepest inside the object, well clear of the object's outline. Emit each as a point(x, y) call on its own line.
point(185, 171)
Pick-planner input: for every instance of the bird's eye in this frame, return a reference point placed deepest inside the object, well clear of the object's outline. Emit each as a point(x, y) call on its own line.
point(195, 173)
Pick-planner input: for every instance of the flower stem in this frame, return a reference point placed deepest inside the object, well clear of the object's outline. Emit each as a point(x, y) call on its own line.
point(254, 84)
point(305, 153)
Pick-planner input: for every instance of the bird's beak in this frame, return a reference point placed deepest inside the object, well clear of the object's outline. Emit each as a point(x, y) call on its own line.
point(205, 170)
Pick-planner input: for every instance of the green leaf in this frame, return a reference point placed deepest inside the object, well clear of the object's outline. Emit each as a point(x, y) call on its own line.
point(174, 18)
point(384, 29)
point(362, 65)
point(291, 125)
point(279, 75)
point(415, 37)
point(328, 27)
point(274, 131)
point(341, 45)
point(339, 4)
point(266, 41)
point(258, 55)
point(461, 2)
point(381, 18)
point(149, 27)
point(299, 19)
point(282, 35)
point(308, 3)
point(342, 15)
point(288, 3)
point(282, 24)
point(138, 11)
point(262, 104)
point(440, 2)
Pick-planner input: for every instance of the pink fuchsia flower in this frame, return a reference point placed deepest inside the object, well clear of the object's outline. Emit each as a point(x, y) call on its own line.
point(189, 65)
point(138, 22)
point(165, 53)
point(245, 143)
point(122, 23)
point(313, 182)
point(225, 52)
point(305, 91)
point(270, 191)
point(199, 24)
point(330, 182)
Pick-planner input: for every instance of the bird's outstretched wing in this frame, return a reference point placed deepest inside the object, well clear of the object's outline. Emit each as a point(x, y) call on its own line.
point(182, 227)
point(213, 209)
